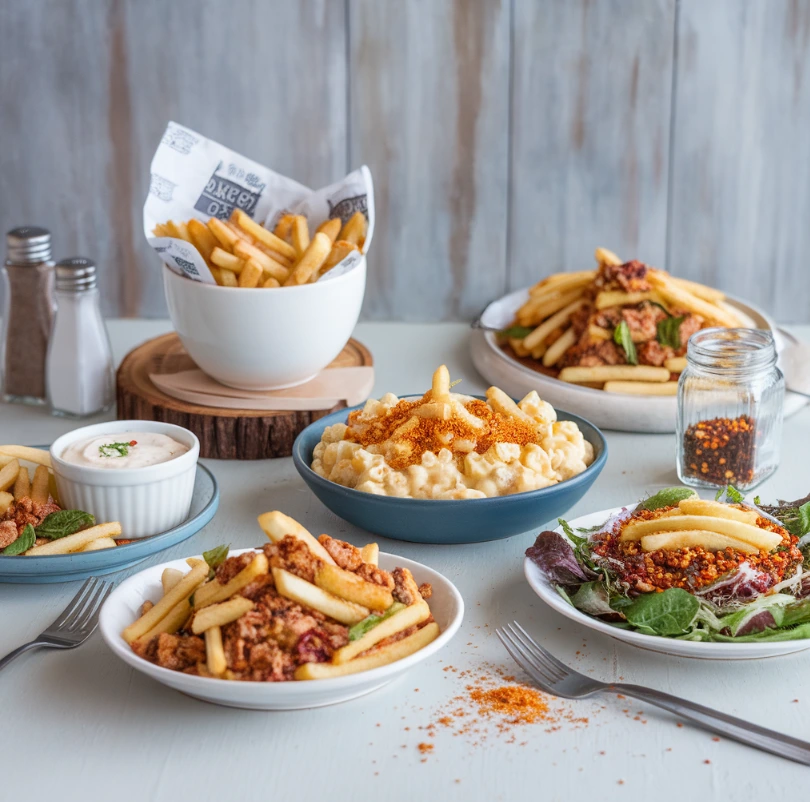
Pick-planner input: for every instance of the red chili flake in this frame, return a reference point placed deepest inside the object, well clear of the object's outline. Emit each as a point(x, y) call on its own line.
point(707, 762)
point(133, 442)
point(716, 739)
point(721, 450)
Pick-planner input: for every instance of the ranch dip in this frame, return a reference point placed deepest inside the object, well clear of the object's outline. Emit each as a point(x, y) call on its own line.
point(124, 450)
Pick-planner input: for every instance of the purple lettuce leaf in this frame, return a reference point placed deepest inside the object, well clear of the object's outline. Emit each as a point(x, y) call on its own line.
point(555, 557)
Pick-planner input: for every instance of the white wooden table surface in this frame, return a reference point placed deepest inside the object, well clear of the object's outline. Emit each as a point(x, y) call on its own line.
point(81, 725)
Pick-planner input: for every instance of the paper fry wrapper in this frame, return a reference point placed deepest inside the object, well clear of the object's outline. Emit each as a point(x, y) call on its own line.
point(192, 176)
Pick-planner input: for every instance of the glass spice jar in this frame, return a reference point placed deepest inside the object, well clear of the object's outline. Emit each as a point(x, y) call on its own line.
point(730, 399)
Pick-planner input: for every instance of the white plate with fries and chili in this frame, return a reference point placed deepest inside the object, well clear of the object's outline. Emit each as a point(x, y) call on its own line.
point(301, 622)
point(608, 344)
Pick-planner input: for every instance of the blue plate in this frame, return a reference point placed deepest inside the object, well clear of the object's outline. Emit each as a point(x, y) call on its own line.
point(447, 521)
point(68, 567)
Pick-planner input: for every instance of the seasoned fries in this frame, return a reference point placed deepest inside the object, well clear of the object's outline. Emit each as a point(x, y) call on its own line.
point(77, 542)
point(242, 253)
point(283, 625)
point(624, 315)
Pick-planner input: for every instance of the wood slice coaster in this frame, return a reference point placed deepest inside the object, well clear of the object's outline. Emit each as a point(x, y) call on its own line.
point(223, 433)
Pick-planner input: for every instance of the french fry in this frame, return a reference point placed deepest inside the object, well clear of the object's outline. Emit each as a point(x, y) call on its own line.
point(179, 593)
point(351, 587)
point(6, 500)
point(101, 543)
point(538, 308)
point(178, 231)
point(715, 509)
point(519, 348)
point(216, 272)
point(8, 474)
point(264, 236)
point(440, 388)
point(711, 541)
point(761, 539)
point(222, 233)
point(299, 235)
point(213, 592)
point(563, 281)
point(556, 321)
point(409, 617)
point(39, 487)
point(676, 364)
point(331, 228)
point(229, 278)
point(39, 456)
point(77, 542)
point(250, 276)
point(370, 554)
point(381, 656)
point(555, 351)
point(598, 333)
point(605, 257)
point(22, 484)
point(305, 593)
point(641, 388)
point(435, 410)
point(240, 233)
point(539, 351)
point(310, 263)
point(228, 261)
point(201, 238)
point(218, 615)
point(271, 282)
point(173, 621)
point(169, 578)
point(52, 488)
point(214, 653)
point(246, 251)
point(160, 230)
point(355, 229)
point(692, 303)
point(608, 298)
point(276, 525)
point(700, 290)
point(502, 403)
point(283, 227)
point(274, 255)
point(606, 373)
point(340, 250)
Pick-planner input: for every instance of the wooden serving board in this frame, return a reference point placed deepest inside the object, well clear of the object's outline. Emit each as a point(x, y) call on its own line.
point(223, 433)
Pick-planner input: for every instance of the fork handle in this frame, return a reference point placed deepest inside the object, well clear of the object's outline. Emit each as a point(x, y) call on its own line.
point(743, 731)
point(17, 652)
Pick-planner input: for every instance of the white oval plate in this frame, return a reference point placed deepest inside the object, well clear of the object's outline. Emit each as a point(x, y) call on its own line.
point(625, 413)
point(124, 605)
point(676, 648)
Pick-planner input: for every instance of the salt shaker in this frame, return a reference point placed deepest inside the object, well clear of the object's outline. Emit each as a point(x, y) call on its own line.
point(28, 314)
point(79, 367)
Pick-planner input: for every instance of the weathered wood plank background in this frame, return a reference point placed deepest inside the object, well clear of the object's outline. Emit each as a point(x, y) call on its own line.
point(507, 138)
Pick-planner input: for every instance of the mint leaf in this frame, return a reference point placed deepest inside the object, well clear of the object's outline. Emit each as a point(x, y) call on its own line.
point(668, 331)
point(621, 336)
point(730, 495)
point(63, 523)
point(668, 497)
point(215, 557)
point(24, 542)
point(518, 332)
point(370, 621)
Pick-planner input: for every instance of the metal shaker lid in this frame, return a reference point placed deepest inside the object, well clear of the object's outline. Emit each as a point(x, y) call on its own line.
point(75, 274)
point(28, 245)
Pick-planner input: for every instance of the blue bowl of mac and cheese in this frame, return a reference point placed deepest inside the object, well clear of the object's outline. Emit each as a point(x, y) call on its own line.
point(446, 519)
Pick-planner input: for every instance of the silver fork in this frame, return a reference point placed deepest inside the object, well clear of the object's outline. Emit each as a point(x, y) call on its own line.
point(76, 624)
point(558, 679)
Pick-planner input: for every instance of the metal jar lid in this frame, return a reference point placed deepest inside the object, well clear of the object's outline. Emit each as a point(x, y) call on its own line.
point(75, 274)
point(28, 245)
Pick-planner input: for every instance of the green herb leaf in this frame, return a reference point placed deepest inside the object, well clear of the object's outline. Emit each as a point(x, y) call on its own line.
point(369, 622)
point(668, 497)
point(621, 336)
point(63, 523)
point(668, 331)
point(669, 613)
point(215, 557)
point(114, 450)
point(24, 542)
point(517, 332)
point(730, 495)
point(592, 598)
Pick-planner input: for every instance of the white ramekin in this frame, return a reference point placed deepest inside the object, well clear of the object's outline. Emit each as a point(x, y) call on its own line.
point(261, 339)
point(147, 501)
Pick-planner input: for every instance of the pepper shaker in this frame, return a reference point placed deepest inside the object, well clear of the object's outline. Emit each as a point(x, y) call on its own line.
point(79, 371)
point(28, 314)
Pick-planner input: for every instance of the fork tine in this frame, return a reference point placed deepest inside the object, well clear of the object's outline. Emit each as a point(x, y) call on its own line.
point(538, 649)
point(92, 608)
point(538, 656)
point(520, 659)
point(78, 609)
point(74, 602)
point(90, 620)
point(527, 662)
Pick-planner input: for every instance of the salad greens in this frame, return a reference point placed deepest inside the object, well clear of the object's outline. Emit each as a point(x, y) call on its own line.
point(738, 607)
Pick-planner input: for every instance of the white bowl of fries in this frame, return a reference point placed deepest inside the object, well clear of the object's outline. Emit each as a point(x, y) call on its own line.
point(260, 339)
point(124, 609)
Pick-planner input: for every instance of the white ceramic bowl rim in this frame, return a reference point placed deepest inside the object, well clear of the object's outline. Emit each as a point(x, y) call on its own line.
point(119, 646)
point(544, 589)
point(144, 475)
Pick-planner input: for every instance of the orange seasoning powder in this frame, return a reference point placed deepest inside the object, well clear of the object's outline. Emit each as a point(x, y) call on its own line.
point(432, 434)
